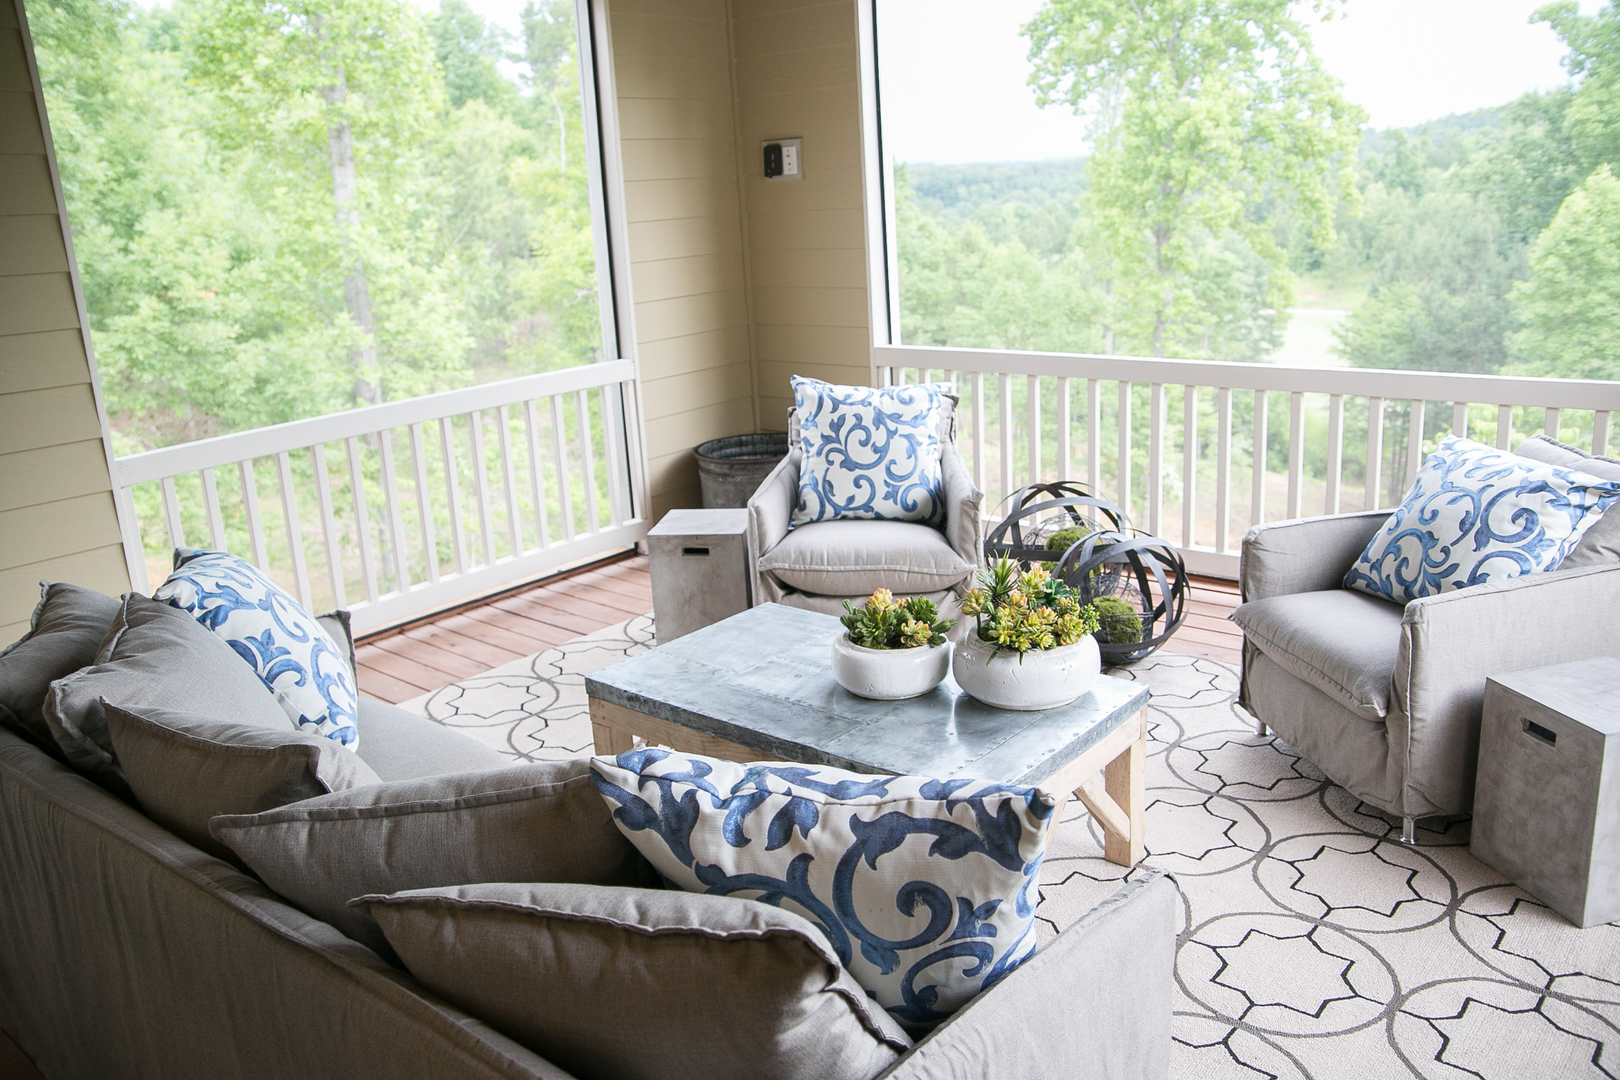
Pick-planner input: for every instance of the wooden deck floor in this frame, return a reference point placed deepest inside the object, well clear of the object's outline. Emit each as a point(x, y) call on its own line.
point(416, 659)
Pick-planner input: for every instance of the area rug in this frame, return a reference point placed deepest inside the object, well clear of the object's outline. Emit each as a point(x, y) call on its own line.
point(1311, 942)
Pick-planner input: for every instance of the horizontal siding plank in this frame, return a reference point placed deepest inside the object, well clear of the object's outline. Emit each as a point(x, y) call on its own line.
point(661, 200)
point(764, 31)
point(667, 279)
point(666, 118)
point(683, 393)
point(51, 473)
point(680, 237)
point(42, 361)
point(682, 431)
point(833, 345)
point(690, 315)
point(14, 62)
point(100, 568)
point(808, 229)
point(38, 418)
point(824, 187)
point(650, 35)
point(817, 268)
point(663, 77)
point(693, 352)
point(19, 124)
point(25, 183)
point(33, 303)
point(679, 158)
point(34, 534)
point(810, 307)
point(816, 67)
point(32, 244)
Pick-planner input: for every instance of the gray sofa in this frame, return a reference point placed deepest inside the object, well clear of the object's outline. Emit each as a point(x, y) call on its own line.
point(1386, 700)
point(127, 952)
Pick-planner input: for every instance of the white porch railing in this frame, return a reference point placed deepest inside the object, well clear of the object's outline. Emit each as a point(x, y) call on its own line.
point(401, 509)
point(1355, 437)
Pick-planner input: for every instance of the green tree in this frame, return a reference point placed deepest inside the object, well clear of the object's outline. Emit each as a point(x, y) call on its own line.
point(468, 50)
point(1570, 304)
point(1202, 109)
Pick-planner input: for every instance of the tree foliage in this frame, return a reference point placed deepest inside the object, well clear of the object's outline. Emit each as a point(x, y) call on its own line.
point(1570, 303)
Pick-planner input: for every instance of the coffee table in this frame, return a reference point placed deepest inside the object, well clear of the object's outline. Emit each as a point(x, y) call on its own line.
point(759, 686)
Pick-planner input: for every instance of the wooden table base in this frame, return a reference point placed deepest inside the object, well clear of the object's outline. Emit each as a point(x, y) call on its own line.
point(1116, 802)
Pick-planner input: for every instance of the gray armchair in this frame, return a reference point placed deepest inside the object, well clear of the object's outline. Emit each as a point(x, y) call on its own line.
point(819, 566)
point(1387, 700)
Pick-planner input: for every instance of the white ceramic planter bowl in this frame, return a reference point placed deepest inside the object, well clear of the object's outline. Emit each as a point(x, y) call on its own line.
point(889, 674)
point(1046, 679)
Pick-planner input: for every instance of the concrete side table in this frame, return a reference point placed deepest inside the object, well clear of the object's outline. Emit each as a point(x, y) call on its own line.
point(699, 565)
point(1547, 801)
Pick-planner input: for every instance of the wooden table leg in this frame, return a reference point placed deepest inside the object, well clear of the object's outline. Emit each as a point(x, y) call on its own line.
point(1118, 802)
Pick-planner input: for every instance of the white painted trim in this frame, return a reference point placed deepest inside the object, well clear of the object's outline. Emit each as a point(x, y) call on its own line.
point(877, 181)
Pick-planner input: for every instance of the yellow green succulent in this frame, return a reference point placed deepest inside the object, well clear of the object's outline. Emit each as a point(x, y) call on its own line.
point(1025, 610)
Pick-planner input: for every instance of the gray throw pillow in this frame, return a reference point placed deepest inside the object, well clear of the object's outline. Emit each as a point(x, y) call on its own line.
point(64, 635)
point(643, 983)
point(542, 821)
point(1601, 544)
point(159, 656)
point(183, 769)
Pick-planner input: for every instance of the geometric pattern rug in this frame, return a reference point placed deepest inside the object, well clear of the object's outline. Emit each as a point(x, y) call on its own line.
point(1311, 942)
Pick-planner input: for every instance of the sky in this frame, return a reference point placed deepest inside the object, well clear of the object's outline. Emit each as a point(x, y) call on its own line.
point(954, 71)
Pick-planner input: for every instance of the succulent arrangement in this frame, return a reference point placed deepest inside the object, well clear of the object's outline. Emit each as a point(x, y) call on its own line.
point(1021, 610)
point(886, 623)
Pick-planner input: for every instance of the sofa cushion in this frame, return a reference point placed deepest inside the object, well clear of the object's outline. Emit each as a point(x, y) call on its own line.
point(643, 984)
point(868, 453)
point(536, 822)
point(856, 558)
point(1341, 642)
point(401, 745)
point(286, 645)
point(63, 636)
point(1601, 544)
point(183, 768)
point(158, 656)
point(925, 888)
point(1474, 515)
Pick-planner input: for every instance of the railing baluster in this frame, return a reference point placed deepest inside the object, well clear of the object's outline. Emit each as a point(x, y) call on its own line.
point(1296, 455)
point(295, 534)
point(216, 521)
point(1065, 456)
point(1223, 467)
point(509, 480)
point(1189, 466)
point(396, 521)
point(255, 524)
point(559, 448)
point(1335, 451)
point(610, 457)
point(362, 518)
point(1125, 446)
point(1600, 434)
point(1459, 419)
point(1033, 401)
point(1414, 442)
point(1552, 422)
point(1373, 497)
point(1093, 436)
point(1504, 426)
point(452, 491)
point(171, 513)
point(978, 430)
point(1155, 493)
point(486, 531)
point(334, 553)
point(424, 505)
point(1004, 436)
point(531, 435)
point(1257, 498)
point(587, 460)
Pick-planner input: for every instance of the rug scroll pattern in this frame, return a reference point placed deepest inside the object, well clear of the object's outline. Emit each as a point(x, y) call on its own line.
point(1312, 944)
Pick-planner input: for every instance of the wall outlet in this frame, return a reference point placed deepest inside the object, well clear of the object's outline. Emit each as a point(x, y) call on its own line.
point(783, 160)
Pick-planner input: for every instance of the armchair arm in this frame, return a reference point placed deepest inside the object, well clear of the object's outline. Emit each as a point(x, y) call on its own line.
point(1095, 1003)
point(1451, 642)
point(1304, 554)
point(962, 501)
point(770, 510)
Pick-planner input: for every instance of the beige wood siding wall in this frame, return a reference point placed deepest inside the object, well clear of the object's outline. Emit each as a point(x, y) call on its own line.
point(798, 76)
point(673, 71)
point(56, 509)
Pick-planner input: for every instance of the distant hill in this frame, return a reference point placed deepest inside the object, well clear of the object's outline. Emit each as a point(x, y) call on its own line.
point(958, 191)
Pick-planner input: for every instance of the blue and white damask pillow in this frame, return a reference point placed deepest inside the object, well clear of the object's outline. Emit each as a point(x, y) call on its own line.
point(1478, 514)
point(293, 654)
point(869, 453)
point(926, 889)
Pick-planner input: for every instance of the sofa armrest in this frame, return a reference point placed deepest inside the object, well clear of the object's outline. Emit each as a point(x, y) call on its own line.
point(962, 502)
point(770, 512)
point(1095, 1003)
point(1304, 554)
point(1452, 642)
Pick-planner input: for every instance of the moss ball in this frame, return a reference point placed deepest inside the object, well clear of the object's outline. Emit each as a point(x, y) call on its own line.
point(1121, 624)
point(1064, 539)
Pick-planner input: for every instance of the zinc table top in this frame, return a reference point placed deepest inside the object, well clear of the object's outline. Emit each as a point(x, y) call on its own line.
point(763, 679)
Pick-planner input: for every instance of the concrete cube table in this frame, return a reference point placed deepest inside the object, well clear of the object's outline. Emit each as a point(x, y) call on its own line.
point(759, 686)
point(699, 565)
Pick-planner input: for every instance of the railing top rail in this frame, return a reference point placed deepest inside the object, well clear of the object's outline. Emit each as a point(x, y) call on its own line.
point(1602, 395)
point(298, 434)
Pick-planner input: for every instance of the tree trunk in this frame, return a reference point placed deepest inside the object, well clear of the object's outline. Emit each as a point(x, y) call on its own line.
point(1161, 237)
point(345, 196)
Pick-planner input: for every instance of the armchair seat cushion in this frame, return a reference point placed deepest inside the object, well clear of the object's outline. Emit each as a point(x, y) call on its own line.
point(1341, 642)
point(855, 558)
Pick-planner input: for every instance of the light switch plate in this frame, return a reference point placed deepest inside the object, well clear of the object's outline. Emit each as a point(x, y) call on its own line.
point(785, 155)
